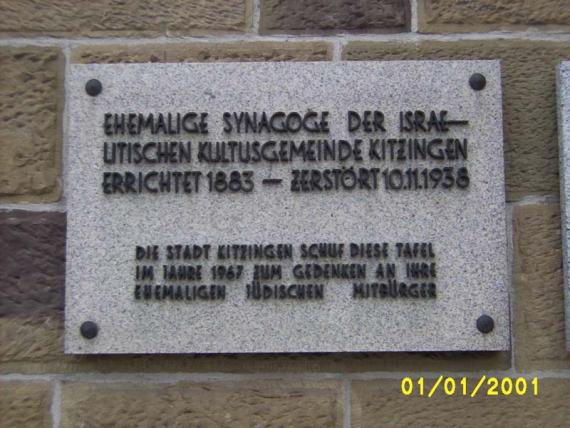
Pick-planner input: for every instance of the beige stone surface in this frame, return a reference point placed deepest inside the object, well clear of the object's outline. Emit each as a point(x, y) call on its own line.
point(30, 135)
point(25, 405)
point(486, 15)
point(219, 404)
point(380, 403)
point(26, 341)
point(529, 99)
point(538, 289)
point(203, 52)
point(65, 18)
point(337, 16)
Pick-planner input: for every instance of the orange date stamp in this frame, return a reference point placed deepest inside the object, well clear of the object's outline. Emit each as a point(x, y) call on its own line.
point(484, 386)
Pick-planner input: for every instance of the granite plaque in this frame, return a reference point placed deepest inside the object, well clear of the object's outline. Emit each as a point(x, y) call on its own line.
point(286, 207)
point(564, 138)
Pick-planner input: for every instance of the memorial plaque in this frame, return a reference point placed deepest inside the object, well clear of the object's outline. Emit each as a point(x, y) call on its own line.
point(564, 137)
point(286, 207)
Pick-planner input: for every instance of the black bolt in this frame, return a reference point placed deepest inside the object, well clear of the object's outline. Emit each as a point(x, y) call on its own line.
point(89, 329)
point(477, 81)
point(93, 87)
point(485, 324)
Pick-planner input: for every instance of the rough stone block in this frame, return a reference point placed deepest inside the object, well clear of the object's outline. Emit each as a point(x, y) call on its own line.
point(337, 16)
point(25, 405)
point(32, 269)
point(64, 18)
point(267, 404)
point(30, 135)
point(204, 52)
point(538, 289)
point(445, 16)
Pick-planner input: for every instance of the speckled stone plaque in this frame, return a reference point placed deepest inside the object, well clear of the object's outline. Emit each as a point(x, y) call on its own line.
point(286, 207)
point(564, 138)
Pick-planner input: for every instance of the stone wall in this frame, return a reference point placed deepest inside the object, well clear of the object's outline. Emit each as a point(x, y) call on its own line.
point(40, 386)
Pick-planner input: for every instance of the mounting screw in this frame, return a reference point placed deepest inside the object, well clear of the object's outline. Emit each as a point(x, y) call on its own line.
point(477, 81)
point(93, 87)
point(485, 324)
point(89, 329)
